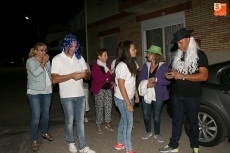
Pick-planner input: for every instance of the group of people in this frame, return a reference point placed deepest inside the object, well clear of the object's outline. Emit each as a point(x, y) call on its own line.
point(69, 69)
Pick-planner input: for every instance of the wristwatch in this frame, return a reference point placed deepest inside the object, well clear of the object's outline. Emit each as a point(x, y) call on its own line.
point(184, 77)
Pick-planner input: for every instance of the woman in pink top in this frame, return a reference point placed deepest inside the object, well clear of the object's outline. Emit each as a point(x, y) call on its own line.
point(102, 88)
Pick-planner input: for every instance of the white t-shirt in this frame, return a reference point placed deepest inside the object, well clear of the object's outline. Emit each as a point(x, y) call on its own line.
point(113, 65)
point(63, 65)
point(122, 72)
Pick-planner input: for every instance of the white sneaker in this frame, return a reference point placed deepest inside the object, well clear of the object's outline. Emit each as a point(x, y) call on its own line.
point(86, 119)
point(87, 150)
point(72, 148)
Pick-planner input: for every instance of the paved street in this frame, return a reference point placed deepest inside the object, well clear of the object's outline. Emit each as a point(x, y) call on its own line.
point(15, 116)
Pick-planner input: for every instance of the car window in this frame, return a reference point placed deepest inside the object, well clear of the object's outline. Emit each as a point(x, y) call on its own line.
point(225, 78)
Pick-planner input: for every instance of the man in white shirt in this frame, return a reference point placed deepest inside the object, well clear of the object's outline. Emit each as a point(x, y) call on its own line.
point(68, 69)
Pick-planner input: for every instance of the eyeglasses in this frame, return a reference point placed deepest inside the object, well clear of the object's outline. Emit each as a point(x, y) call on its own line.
point(42, 50)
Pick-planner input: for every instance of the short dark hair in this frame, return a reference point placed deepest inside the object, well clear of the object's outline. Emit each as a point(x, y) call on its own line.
point(100, 51)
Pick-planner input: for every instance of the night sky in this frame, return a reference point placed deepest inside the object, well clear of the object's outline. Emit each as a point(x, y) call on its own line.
point(18, 35)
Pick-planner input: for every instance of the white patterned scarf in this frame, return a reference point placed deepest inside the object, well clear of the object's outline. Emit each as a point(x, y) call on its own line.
point(189, 64)
point(99, 62)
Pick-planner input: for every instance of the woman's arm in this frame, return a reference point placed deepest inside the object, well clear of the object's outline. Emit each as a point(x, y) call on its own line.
point(161, 79)
point(121, 85)
point(137, 100)
point(98, 76)
point(33, 68)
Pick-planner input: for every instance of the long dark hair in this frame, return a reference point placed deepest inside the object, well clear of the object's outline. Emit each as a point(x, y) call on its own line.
point(124, 56)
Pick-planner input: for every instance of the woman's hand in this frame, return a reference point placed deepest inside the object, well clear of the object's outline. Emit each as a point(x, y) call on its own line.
point(45, 59)
point(137, 100)
point(112, 84)
point(130, 108)
point(152, 80)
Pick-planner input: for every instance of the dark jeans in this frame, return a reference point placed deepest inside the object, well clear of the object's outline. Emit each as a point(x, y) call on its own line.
point(150, 111)
point(181, 106)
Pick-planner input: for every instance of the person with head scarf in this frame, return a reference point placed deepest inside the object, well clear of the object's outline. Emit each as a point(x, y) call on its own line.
point(189, 69)
point(153, 74)
point(39, 91)
point(69, 69)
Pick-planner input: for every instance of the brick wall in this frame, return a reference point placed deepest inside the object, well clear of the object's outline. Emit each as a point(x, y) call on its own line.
point(213, 32)
point(129, 30)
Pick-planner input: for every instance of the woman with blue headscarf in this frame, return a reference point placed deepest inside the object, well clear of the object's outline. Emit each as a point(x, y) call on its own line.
point(69, 69)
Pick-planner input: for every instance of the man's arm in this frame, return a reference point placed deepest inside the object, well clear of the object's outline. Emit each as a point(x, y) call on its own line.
point(202, 75)
point(86, 74)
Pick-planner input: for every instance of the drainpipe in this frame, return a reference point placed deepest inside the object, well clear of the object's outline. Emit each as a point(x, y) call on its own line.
point(86, 34)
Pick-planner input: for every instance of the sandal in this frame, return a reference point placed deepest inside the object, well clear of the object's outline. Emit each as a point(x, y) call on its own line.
point(109, 127)
point(34, 146)
point(48, 137)
point(99, 129)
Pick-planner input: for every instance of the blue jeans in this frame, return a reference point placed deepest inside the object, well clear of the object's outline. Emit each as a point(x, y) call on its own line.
point(40, 106)
point(125, 125)
point(155, 107)
point(181, 106)
point(74, 110)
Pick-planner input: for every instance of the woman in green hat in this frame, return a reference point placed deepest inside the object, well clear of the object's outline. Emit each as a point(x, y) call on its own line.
point(153, 72)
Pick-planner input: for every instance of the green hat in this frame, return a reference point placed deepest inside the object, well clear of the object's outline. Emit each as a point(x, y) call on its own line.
point(154, 49)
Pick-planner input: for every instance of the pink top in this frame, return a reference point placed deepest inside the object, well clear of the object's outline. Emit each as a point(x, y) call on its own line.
point(99, 78)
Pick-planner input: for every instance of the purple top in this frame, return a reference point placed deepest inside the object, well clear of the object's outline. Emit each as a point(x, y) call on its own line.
point(160, 86)
point(99, 78)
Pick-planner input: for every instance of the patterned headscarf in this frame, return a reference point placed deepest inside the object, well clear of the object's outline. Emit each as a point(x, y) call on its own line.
point(66, 44)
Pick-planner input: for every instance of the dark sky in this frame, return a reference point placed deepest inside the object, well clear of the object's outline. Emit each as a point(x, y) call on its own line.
point(18, 35)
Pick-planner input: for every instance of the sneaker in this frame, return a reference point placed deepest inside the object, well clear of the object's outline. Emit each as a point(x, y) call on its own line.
point(131, 151)
point(72, 148)
point(87, 150)
point(119, 146)
point(86, 119)
point(109, 128)
point(195, 150)
point(159, 138)
point(168, 149)
point(147, 135)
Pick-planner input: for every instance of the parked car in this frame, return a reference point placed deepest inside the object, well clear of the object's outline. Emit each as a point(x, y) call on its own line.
point(214, 111)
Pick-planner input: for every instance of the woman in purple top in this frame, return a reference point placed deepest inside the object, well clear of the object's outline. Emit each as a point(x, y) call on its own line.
point(102, 88)
point(153, 71)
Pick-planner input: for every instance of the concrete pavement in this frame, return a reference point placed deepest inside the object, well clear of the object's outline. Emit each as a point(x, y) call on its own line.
point(104, 143)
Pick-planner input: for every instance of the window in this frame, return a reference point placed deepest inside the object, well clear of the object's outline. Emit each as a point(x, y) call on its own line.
point(225, 78)
point(159, 31)
point(110, 43)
